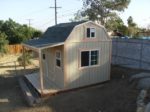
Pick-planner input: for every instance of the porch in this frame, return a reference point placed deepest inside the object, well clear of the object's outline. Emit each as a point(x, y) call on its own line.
point(49, 87)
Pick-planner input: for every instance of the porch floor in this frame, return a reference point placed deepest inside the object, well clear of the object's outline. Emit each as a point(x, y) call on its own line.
point(49, 86)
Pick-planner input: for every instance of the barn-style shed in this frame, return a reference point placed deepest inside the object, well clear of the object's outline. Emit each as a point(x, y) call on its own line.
point(71, 55)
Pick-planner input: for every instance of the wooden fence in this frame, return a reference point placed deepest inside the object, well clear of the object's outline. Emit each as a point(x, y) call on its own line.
point(15, 49)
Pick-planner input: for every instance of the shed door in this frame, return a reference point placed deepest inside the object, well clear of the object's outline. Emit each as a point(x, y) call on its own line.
point(45, 63)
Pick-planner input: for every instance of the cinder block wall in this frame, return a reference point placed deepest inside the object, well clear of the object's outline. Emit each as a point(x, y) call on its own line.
point(133, 53)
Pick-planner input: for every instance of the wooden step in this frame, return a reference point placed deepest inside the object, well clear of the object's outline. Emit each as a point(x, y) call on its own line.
point(30, 97)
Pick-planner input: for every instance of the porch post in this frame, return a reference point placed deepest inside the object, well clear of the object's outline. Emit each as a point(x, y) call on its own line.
point(41, 70)
point(24, 64)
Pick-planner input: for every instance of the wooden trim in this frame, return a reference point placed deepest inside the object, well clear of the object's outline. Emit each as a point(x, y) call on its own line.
point(65, 66)
point(41, 71)
point(100, 26)
point(55, 45)
point(58, 51)
point(37, 49)
point(91, 66)
point(30, 47)
point(90, 32)
point(75, 89)
point(110, 58)
point(24, 64)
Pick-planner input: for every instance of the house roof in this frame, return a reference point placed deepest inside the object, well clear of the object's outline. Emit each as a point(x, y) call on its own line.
point(53, 35)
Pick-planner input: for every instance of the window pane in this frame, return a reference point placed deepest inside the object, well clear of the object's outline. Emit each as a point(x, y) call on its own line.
point(88, 32)
point(58, 54)
point(92, 32)
point(58, 62)
point(94, 53)
point(44, 56)
point(84, 58)
point(94, 58)
point(92, 29)
point(94, 62)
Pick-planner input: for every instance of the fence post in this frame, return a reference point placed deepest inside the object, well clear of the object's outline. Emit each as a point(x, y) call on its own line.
point(141, 53)
point(24, 63)
point(116, 57)
point(15, 67)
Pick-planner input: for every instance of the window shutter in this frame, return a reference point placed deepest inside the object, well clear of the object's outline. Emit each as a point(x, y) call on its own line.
point(88, 32)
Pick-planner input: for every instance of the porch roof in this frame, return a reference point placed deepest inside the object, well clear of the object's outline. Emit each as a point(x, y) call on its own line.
point(41, 44)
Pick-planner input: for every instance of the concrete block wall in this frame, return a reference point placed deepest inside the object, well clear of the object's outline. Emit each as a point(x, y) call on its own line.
point(133, 53)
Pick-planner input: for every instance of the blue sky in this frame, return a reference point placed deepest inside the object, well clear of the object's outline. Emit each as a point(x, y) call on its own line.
point(42, 16)
point(139, 10)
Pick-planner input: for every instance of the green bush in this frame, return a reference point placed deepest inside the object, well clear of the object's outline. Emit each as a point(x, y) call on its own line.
point(3, 43)
point(27, 57)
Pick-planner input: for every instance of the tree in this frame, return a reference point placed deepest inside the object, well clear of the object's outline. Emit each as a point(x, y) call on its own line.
point(130, 22)
point(114, 22)
point(132, 27)
point(36, 34)
point(3, 43)
point(78, 17)
point(101, 9)
point(17, 33)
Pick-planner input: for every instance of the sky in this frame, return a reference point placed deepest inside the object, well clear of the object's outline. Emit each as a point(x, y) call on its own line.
point(41, 16)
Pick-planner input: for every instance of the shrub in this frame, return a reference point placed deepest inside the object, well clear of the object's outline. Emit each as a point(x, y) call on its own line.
point(27, 59)
point(3, 43)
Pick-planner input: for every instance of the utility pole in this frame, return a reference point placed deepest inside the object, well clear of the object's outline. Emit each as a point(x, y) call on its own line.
point(55, 7)
point(29, 24)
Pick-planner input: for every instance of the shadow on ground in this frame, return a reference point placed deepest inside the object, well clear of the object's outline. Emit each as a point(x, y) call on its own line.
point(118, 95)
point(10, 94)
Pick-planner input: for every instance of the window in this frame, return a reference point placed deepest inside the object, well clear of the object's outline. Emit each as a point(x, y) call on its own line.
point(58, 58)
point(43, 56)
point(89, 58)
point(90, 32)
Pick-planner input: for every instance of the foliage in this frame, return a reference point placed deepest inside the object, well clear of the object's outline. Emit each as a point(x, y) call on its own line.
point(27, 58)
point(17, 33)
point(114, 22)
point(130, 22)
point(3, 43)
point(101, 9)
point(132, 28)
point(78, 17)
point(105, 11)
point(36, 34)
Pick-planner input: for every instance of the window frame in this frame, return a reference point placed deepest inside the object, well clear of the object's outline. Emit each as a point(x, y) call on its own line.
point(90, 65)
point(56, 58)
point(90, 37)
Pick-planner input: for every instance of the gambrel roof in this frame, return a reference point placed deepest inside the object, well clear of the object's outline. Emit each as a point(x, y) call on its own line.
point(54, 35)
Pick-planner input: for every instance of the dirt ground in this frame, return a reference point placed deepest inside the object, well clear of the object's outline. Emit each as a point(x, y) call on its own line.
point(117, 95)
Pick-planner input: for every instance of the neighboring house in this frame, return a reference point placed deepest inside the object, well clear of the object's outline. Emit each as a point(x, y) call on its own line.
point(71, 55)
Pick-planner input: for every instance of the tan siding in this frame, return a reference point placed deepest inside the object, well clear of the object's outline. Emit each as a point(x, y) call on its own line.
point(79, 33)
point(77, 76)
point(54, 73)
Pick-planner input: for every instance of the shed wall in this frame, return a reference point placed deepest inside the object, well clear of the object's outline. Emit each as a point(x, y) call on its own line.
point(79, 33)
point(52, 72)
point(77, 76)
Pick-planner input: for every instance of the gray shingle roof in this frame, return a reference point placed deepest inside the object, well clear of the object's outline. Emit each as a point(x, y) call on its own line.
point(54, 34)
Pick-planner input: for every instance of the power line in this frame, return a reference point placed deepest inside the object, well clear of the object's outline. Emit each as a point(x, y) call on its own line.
point(60, 16)
point(55, 7)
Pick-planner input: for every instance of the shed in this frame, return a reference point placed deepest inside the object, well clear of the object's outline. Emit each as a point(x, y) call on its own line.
point(71, 55)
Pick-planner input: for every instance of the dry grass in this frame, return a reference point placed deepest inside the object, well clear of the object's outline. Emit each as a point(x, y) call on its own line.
point(9, 63)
